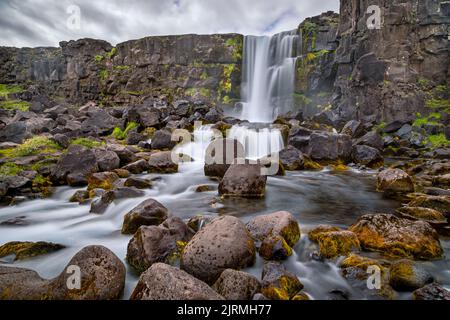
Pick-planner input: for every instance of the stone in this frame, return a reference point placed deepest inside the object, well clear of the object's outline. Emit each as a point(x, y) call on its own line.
point(161, 162)
point(394, 181)
point(237, 285)
point(278, 283)
point(16, 132)
point(79, 196)
point(204, 188)
point(76, 165)
point(102, 278)
point(199, 221)
point(150, 212)
point(99, 122)
point(325, 146)
point(367, 156)
point(292, 159)
point(397, 237)
point(26, 250)
point(353, 128)
point(223, 243)
point(107, 160)
point(163, 140)
point(431, 292)
point(280, 223)
point(371, 139)
point(405, 275)
point(334, 243)
point(102, 180)
point(216, 170)
point(99, 206)
point(274, 247)
point(137, 167)
point(424, 214)
point(152, 244)
point(439, 203)
point(138, 183)
point(243, 180)
point(164, 282)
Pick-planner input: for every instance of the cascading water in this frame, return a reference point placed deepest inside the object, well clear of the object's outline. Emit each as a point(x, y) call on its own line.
point(268, 76)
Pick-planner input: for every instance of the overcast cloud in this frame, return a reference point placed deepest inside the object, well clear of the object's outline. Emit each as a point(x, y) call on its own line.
point(33, 23)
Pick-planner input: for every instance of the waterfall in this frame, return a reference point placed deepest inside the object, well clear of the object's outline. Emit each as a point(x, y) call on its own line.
point(196, 149)
point(268, 76)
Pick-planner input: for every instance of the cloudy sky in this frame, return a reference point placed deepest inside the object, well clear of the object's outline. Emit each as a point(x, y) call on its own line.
point(46, 22)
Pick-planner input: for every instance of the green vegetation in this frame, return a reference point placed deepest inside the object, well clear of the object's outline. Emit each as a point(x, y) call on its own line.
point(6, 89)
point(15, 105)
point(381, 125)
point(133, 93)
point(236, 44)
point(204, 75)
point(309, 30)
point(10, 169)
point(121, 68)
point(438, 103)
point(422, 82)
point(32, 146)
point(437, 140)
point(104, 74)
point(432, 119)
point(87, 142)
point(98, 58)
point(302, 99)
point(120, 134)
point(112, 53)
point(203, 92)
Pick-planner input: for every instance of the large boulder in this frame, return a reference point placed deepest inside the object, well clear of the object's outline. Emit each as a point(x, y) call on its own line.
point(99, 122)
point(397, 237)
point(102, 180)
point(325, 146)
point(292, 158)
point(280, 223)
point(431, 292)
point(151, 244)
point(278, 283)
point(367, 156)
point(15, 132)
point(150, 212)
point(26, 250)
point(334, 243)
point(75, 166)
point(164, 282)
point(137, 167)
point(162, 139)
point(439, 203)
point(243, 180)
point(146, 116)
point(222, 244)
point(102, 277)
point(405, 275)
point(353, 128)
point(107, 160)
point(372, 139)
point(394, 181)
point(237, 285)
point(161, 162)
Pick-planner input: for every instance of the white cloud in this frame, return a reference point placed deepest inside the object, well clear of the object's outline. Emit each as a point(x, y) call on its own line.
point(43, 22)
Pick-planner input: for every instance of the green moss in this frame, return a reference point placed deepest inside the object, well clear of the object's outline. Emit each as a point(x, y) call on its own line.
point(87, 142)
point(6, 89)
point(112, 53)
point(236, 44)
point(381, 125)
point(422, 82)
point(120, 134)
point(432, 119)
point(437, 140)
point(104, 74)
point(121, 68)
point(133, 93)
point(204, 76)
point(98, 58)
point(32, 146)
point(15, 105)
point(10, 169)
point(438, 103)
point(302, 99)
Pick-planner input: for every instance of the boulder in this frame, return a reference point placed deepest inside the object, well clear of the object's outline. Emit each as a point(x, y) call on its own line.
point(394, 181)
point(397, 237)
point(334, 243)
point(274, 247)
point(164, 282)
point(353, 128)
point(222, 244)
point(405, 275)
point(137, 167)
point(278, 283)
point(161, 162)
point(126, 154)
point(237, 285)
point(425, 214)
point(138, 183)
point(439, 203)
point(372, 139)
point(107, 160)
point(431, 292)
point(75, 166)
point(367, 156)
point(26, 250)
point(292, 159)
point(15, 132)
point(163, 140)
point(325, 146)
point(102, 278)
point(243, 180)
point(151, 244)
point(280, 223)
point(150, 212)
point(216, 170)
point(99, 122)
point(102, 180)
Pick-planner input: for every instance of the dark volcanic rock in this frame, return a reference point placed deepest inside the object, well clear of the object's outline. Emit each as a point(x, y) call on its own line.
point(149, 212)
point(243, 180)
point(324, 146)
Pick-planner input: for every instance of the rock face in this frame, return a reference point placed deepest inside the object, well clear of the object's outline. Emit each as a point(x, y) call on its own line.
point(149, 212)
point(397, 237)
point(151, 244)
point(102, 278)
point(223, 243)
point(163, 282)
point(243, 180)
point(237, 285)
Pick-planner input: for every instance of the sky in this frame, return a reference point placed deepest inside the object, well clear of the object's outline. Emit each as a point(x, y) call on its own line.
point(32, 23)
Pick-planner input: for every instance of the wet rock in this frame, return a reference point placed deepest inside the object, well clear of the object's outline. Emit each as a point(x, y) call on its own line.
point(163, 282)
point(325, 146)
point(79, 196)
point(442, 181)
point(280, 223)
point(213, 116)
point(397, 237)
point(292, 159)
point(243, 180)
point(299, 138)
point(278, 283)
point(122, 173)
point(204, 188)
point(424, 214)
point(137, 167)
point(199, 221)
point(138, 183)
point(222, 244)
point(431, 292)
point(394, 181)
point(161, 162)
point(367, 156)
point(150, 212)
point(237, 285)
point(26, 250)
point(216, 170)
point(439, 203)
point(75, 166)
point(274, 247)
point(127, 192)
point(100, 205)
point(152, 244)
point(405, 275)
point(126, 154)
point(163, 140)
point(371, 139)
point(334, 243)
point(16, 221)
point(102, 180)
point(107, 160)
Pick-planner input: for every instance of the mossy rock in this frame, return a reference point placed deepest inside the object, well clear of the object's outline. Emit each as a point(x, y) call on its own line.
point(26, 250)
point(275, 248)
point(103, 180)
point(439, 203)
point(278, 283)
point(360, 262)
point(334, 243)
point(425, 214)
point(405, 275)
point(313, 234)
